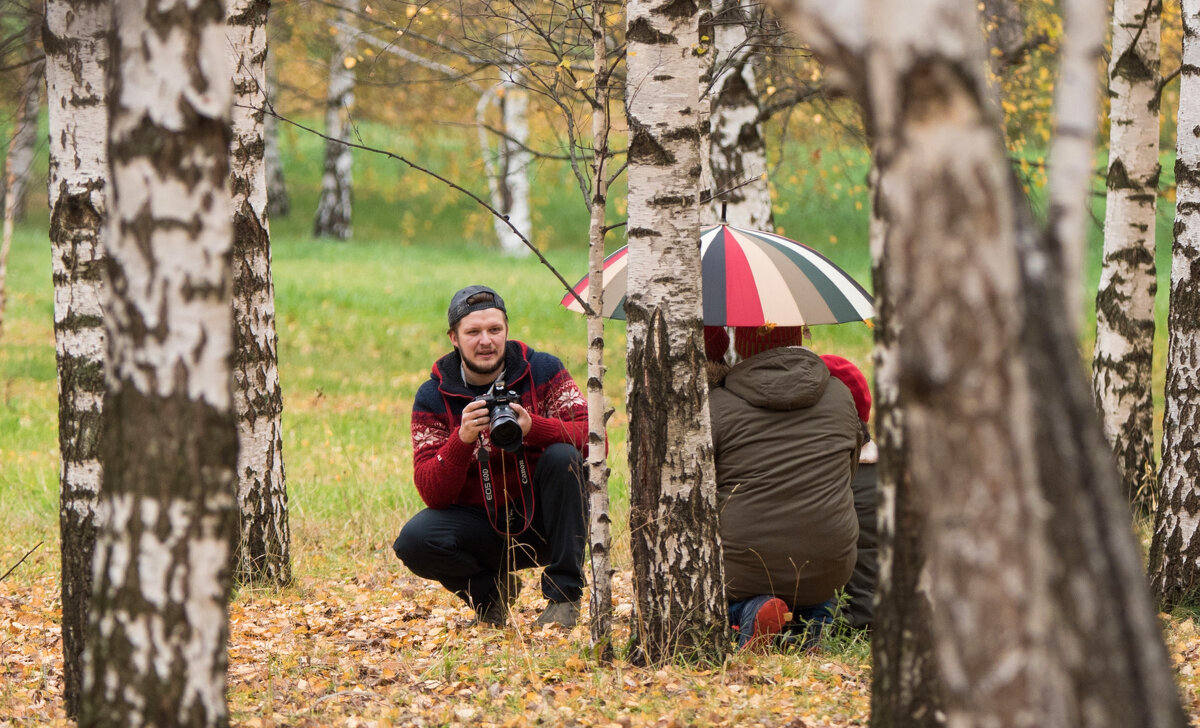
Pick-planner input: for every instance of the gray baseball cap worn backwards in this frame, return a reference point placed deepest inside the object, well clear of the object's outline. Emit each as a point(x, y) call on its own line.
point(471, 299)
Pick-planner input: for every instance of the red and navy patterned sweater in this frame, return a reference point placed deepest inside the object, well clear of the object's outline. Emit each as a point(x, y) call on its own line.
point(444, 467)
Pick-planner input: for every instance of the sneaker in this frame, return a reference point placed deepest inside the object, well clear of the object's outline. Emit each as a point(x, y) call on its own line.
point(763, 617)
point(561, 613)
point(496, 613)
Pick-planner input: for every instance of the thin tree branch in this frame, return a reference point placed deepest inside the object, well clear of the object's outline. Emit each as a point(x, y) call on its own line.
point(270, 109)
point(14, 566)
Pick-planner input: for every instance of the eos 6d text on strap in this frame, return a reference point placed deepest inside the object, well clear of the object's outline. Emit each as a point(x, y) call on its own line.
point(489, 494)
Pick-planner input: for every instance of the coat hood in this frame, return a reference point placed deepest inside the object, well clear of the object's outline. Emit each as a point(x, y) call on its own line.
point(786, 378)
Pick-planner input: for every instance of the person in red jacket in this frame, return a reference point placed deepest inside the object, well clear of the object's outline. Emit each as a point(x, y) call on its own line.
point(498, 433)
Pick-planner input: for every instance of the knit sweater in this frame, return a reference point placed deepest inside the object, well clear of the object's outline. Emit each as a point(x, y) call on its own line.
point(445, 468)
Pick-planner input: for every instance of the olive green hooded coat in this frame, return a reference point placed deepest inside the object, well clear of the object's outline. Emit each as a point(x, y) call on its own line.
point(786, 440)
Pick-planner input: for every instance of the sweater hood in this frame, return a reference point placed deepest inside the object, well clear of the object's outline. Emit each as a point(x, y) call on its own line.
point(786, 378)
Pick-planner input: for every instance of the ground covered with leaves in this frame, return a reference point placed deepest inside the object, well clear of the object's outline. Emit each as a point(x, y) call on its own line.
point(386, 648)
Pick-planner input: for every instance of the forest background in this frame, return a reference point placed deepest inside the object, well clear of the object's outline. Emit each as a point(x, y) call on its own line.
point(359, 324)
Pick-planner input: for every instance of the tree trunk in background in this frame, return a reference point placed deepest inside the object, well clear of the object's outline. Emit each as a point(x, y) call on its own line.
point(906, 688)
point(508, 163)
point(600, 520)
point(23, 145)
point(1005, 29)
point(676, 548)
point(704, 107)
point(278, 202)
point(1121, 362)
point(76, 39)
point(1003, 448)
point(1073, 149)
point(263, 553)
point(18, 161)
point(1175, 549)
point(333, 206)
point(739, 149)
point(156, 651)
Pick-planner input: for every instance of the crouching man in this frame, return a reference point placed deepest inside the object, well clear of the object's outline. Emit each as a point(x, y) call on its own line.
point(497, 434)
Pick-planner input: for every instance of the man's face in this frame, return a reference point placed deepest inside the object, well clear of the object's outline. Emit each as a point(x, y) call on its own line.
point(480, 337)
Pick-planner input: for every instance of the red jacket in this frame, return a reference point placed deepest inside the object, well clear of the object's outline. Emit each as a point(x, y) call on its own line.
point(444, 467)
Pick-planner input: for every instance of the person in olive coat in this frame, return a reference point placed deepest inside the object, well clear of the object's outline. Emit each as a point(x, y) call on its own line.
point(786, 439)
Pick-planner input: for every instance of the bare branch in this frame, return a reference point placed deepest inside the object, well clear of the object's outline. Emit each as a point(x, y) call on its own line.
point(270, 109)
point(14, 566)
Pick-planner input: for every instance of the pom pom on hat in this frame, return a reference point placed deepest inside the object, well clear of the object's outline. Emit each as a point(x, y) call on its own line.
point(751, 340)
point(854, 379)
point(716, 343)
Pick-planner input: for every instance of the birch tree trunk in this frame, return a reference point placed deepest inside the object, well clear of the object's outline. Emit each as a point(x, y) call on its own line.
point(676, 548)
point(21, 148)
point(1121, 361)
point(739, 149)
point(1005, 29)
point(333, 206)
point(600, 523)
point(156, 652)
point(508, 162)
point(76, 38)
point(1175, 548)
point(263, 553)
point(906, 689)
point(954, 269)
point(999, 447)
point(18, 161)
point(1073, 148)
point(279, 205)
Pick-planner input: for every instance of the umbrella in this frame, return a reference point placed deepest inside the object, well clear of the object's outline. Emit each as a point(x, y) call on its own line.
point(752, 278)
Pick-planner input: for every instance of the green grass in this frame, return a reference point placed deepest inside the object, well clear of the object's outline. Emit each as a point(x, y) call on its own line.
point(360, 322)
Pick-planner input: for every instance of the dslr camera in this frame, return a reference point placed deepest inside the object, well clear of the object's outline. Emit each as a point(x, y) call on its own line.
point(503, 427)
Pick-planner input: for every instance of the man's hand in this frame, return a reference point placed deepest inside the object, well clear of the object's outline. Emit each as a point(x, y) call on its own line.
point(523, 418)
point(475, 419)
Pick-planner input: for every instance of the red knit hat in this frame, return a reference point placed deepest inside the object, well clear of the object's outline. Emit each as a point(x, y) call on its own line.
point(716, 343)
point(751, 340)
point(850, 375)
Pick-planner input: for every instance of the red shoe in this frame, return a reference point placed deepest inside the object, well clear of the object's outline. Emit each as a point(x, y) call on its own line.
point(763, 617)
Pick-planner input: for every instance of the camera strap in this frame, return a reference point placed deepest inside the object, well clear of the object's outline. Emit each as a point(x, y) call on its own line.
point(489, 492)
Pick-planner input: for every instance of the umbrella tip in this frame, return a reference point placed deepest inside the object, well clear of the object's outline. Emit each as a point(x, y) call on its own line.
point(723, 206)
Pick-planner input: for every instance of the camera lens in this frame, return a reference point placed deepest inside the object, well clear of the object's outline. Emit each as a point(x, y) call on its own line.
point(505, 430)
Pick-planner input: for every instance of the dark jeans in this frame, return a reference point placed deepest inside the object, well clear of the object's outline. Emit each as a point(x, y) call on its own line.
point(458, 547)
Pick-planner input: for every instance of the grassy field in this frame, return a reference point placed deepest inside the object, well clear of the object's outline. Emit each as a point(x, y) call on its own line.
point(356, 638)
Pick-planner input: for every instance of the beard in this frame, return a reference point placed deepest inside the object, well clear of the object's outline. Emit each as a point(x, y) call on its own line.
point(474, 368)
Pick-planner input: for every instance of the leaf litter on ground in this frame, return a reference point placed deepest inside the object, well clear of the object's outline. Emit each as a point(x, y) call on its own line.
point(388, 649)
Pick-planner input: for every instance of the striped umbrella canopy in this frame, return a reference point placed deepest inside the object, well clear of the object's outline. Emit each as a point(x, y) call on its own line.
point(752, 278)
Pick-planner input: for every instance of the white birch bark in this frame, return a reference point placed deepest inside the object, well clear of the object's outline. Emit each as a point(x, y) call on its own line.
point(333, 219)
point(18, 161)
point(678, 577)
point(940, 181)
point(23, 145)
point(77, 45)
point(1122, 358)
point(508, 172)
point(1002, 445)
point(906, 689)
point(600, 520)
point(1175, 548)
point(739, 149)
point(156, 650)
point(1072, 150)
point(263, 554)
